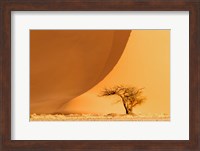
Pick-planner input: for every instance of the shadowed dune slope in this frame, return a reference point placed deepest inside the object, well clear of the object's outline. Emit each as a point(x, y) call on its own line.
point(66, 63)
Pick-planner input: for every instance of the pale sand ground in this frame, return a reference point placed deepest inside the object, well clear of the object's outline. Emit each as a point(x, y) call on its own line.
point(100, 117)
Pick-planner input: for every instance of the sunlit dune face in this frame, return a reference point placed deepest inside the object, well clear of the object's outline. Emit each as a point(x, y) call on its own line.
point(144, 63)
point(140, 59)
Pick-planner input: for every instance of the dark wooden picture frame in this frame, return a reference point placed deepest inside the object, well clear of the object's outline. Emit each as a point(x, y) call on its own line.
point(7, 6)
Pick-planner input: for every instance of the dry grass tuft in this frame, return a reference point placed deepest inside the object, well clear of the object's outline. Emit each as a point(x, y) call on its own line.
point(100, 117)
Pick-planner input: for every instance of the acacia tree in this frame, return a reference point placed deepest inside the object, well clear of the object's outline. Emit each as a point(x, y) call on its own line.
point(130, 96)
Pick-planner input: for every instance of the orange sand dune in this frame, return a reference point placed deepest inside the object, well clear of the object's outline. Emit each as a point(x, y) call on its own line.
point(144, 63)
point(66, 63)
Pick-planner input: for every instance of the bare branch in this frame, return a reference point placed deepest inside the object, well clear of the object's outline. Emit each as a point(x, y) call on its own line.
point(131, 96)
point(107, 92)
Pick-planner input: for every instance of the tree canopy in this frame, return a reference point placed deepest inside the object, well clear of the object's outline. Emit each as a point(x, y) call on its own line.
point(130, 96)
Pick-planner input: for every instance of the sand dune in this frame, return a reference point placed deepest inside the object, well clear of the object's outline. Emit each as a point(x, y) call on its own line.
point(66, 63)
point(70, 68)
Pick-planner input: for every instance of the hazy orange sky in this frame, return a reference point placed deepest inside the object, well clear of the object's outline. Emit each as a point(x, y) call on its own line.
point(145, 62)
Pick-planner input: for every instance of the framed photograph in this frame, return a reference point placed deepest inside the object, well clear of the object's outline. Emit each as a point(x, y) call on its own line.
point(99, 75)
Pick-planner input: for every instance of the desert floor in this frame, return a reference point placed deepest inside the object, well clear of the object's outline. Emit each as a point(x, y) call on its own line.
point(100, 117)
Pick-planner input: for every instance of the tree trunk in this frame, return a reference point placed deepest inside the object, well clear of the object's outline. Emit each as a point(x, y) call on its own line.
point(124, 103)
point(126, 110)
